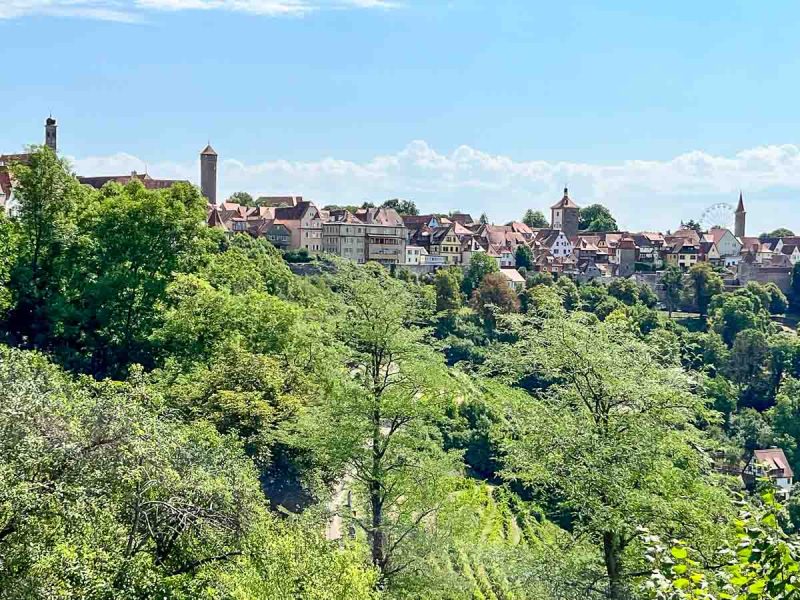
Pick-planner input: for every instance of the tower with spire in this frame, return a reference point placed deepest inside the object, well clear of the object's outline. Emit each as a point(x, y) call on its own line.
point(50, 134)
point(741, 214)
point(565, 215)
point(208, 174)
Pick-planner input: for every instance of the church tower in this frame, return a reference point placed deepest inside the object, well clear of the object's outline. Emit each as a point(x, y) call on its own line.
point(741, 215)
point(50, 134)
point(208, 174)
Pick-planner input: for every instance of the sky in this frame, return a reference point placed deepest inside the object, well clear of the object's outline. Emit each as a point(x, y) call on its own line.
point(656, 110)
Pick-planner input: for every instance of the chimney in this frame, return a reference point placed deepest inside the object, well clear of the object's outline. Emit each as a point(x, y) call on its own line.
point(50, 134)
point(208, 174)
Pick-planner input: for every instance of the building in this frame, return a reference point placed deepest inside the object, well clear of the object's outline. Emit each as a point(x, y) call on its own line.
point(682, 252)
point(740, 219)
point(624, 259)
point(375, 234)
point(516, 282)
point(385, 235)
point(148, 182)
point(304, 222)
point(770, 464)
point(415, 255)
point(554, 241)
point(728, 245)
point(343, 235)
point(208, 174)
point(777, 269)
point(565, 216)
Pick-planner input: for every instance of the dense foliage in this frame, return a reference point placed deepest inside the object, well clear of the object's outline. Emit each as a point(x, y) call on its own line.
point(182, 417)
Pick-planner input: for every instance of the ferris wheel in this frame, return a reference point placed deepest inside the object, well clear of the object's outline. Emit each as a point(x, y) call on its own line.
point(721, 215)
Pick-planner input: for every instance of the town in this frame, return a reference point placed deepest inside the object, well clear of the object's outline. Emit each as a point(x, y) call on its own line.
point(580, 246)
point(272, 315)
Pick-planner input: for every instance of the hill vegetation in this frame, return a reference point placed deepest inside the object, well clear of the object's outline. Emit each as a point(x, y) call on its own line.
point(182, 417)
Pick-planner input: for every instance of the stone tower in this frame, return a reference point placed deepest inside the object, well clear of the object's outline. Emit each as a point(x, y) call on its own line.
point(741, 215)
point(208, 174)
point(564, 216)
point(50, 134)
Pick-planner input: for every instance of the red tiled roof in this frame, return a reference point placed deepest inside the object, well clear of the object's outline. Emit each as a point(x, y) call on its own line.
point(774, 459)
point(565, 202)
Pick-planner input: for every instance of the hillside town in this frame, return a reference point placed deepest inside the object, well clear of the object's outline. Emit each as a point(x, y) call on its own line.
point(424, 243)
point(421, 244)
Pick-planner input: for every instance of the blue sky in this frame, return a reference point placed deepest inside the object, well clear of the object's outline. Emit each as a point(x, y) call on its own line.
point(657, 110)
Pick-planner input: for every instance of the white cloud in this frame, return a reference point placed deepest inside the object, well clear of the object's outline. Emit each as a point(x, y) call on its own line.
point(135, 10)
point(642, 194)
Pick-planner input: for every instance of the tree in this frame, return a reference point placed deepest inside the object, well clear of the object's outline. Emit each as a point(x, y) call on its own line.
point(731, 314)
point(403, 207)
point(523, 257)
point(781, 232)
point(493, 292)
point(794, 292)
point(778, 302)
point(570, 297)
point(704, 284)
point(49, 197)
point(448, 289)
point(672, 280)
point(762, 564)
point(132, 242)
point(692, 224)
point(624, 290)
point(534, 219)
point(483, 219)
point(596, 217)
point(242, 198)
point(377, 430)
point(480, 265)
point(785, 417)
point(603, 439)
point(749, 367)
point(106, 495)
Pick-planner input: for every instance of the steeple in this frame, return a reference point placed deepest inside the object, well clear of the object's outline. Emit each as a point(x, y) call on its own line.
point(741, 218)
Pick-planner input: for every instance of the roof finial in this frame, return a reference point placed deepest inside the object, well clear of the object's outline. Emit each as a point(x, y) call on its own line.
point(565, 190)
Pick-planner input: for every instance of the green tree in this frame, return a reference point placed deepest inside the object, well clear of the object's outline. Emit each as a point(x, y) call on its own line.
point(570, 296)
point(483, 219)
point(480, 265)
point(732, 314)
point(132, 242)
point(448, 289)
point(761, 564)
point(704, 284)
point(523, 257)
point(624, 290)
point(535, 219)
point(785, 417)
point(794, 292)
point(403, 207)
point(778, 302)
point(49, 197)
point(596, 217)
point(777, 233)
point(692, 224)
point(242, 198)
point(612, 439)
point(672, 280)
point(377, 430)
